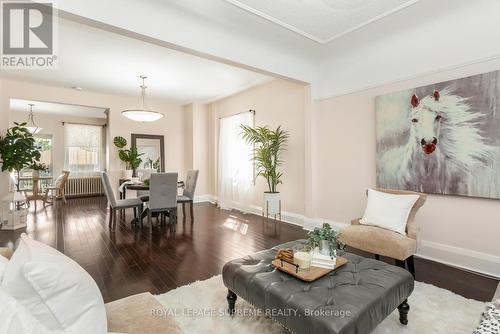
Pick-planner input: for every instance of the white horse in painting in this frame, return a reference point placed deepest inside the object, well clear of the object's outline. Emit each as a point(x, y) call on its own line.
point(445, 146)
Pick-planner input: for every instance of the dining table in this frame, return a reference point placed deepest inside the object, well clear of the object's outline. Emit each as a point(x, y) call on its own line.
point(140, 186)
point(35, 193)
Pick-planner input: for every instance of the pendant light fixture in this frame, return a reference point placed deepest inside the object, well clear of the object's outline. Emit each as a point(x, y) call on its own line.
point(143, 113)
point(30, 124)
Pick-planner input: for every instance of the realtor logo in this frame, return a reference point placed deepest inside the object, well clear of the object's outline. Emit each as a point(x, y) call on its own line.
point(28, 35)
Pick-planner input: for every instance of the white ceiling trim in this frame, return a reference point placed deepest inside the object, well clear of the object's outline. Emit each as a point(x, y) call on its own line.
point(314, 38)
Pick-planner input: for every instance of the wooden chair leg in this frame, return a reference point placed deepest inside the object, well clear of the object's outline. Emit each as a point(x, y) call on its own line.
point(110, 216)
point(191, 209)
point(135, 216)
point(150, 223)
point(411, 265)
point(184, 209)
point(114, 218)
point(400, 263)
point(140, 215)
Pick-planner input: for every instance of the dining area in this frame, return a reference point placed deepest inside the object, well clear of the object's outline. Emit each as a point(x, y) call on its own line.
point(154, 198)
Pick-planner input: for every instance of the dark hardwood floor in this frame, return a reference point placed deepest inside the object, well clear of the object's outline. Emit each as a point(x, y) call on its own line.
point(126, 261)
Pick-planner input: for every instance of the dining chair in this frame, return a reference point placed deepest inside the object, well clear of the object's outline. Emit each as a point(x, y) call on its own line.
point(58, 188)
point(188, 193)
point(120, 204)
point(162, 196)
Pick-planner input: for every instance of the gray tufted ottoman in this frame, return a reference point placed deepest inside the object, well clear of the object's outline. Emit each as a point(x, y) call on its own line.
point(353, 299)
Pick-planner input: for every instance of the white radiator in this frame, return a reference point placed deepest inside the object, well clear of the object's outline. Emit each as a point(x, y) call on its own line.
point(83, 186)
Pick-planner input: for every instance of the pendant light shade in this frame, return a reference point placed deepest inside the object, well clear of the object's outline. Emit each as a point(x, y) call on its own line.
point(143, 113)
point(30, 124)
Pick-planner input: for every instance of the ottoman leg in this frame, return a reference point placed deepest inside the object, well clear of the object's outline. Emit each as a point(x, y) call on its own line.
point(231, 301)
point(403, 309)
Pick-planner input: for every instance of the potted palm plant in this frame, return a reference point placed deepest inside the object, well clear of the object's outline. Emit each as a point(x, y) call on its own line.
point(268, 148)
point(130, 157)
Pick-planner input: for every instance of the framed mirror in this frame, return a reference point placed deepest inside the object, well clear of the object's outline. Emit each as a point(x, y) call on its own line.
point(153, 149)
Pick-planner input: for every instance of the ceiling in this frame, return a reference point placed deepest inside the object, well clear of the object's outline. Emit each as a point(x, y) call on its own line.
point(106, 62)
point(322, 20)
point(40, 107)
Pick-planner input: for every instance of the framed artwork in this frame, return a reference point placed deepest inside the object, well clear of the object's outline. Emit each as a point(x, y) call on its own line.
point(442, 138)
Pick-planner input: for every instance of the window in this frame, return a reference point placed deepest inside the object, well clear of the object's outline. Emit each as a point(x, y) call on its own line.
point(83, 148)
point(44, 142)
point(235, 167)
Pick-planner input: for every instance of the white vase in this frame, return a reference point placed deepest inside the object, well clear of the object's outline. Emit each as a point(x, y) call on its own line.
point(272, 203)
point(127, 174)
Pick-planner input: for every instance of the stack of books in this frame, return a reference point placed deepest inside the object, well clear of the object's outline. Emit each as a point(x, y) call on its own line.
point(322, 261)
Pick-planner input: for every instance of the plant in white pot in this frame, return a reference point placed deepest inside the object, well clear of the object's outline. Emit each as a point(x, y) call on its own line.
point(130, 157)
point(268, 148)
point(326, 239)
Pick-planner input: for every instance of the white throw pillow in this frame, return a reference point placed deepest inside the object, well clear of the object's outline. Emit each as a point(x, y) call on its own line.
point(16, 319)
point(3, 265)
point(54, 289)
point(388, 211)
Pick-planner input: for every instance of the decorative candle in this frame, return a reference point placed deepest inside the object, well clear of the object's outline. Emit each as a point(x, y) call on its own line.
point(302, 259)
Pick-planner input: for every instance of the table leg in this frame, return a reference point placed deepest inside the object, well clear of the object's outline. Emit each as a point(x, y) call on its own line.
point(231, 301)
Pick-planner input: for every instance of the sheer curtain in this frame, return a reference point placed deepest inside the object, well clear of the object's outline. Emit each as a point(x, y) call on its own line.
point(235, 166)
point(83, 148)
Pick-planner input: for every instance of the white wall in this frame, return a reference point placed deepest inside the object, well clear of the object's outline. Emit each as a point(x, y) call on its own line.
point(171, 126)
point(424, 38)
point(458, 230)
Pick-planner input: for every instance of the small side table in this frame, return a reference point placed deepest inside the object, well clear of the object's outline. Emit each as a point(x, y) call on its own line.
point(14, 212)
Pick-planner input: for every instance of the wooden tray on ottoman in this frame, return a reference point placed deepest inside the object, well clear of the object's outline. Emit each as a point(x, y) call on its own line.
point(312, 274)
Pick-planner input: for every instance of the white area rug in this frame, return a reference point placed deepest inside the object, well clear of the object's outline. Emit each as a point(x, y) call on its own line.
point(197, 308)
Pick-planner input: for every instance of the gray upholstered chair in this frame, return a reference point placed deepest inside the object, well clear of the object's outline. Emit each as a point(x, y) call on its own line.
point(120, 204)
point(384, 242)
point(188, 193)
point(162, 196)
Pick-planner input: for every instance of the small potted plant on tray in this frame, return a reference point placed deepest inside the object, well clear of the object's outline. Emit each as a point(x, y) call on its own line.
point(326, 239)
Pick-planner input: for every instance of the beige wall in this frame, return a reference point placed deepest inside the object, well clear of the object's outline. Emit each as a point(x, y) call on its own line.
point(196, 145)
point(276, 103)
point(458, 230)
point(171, 126)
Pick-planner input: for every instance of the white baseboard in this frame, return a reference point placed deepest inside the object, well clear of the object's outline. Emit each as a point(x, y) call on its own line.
point(479, 262)
point(205, 198)
point(311, 223)
point(470, 260)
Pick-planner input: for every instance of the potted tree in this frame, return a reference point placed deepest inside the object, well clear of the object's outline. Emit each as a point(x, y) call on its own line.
point(268, 147)
point(130, 157)
point(18, 150)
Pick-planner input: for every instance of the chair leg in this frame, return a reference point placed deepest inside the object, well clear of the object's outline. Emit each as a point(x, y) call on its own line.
point(377, 257)
point(110, 216)
point(191, 209)
point(63, 195)
point(400, 264)
point(114, 218)
point(135, 216)
point(140, 215)
point(150, 223)
point(411, 265)
point(184, 209)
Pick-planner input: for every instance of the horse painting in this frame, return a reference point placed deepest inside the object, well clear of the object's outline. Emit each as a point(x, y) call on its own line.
point(441, 139)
